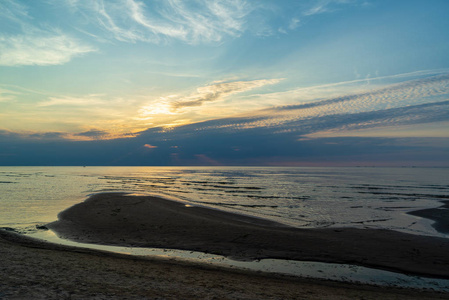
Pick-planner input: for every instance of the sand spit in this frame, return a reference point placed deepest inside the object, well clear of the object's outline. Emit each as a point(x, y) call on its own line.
point(143, 221)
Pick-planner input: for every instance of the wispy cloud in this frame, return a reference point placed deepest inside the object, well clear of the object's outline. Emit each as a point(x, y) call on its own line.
point(92, 134)
point(149, 146)
point(324, 6)
point(409, 115)
point(66, 101)
point(302, 10)
point(82, 113)
point(418, 101)
point(92, 116)
point(7, 95)
point(294, 23)
point(353, 87)
point(44, 49)
point(158, 21)
point(219, 91)
point(317, 8)
point(412, 102)
point(31, 44)
point(13, 11)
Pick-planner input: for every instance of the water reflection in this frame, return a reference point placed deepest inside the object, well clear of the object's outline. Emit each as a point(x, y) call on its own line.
point(335, 272)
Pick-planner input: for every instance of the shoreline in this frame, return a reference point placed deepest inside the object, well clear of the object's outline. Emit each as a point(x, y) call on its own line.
point(33, 269)
point(144, 221)
point(440, 216)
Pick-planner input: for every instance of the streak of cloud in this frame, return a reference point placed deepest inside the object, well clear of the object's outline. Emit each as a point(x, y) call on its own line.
point(33, 44)
point(218, 91)
point(88, 100)
point(13, 11)
point(325, 6)
point(92, 134)
point(7, 95)
point(160, 21)
point(294, 23)
point(337, 89)
point(412, 102)
point(149, 146)
point(50, 49)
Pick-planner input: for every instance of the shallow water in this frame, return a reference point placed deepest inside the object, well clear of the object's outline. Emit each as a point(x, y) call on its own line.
point(301, 197)
point(329, 271)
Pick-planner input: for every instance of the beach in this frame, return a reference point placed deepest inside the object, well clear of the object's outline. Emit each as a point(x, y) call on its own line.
point(33, 269)
point(143, 221)
point(440, 216)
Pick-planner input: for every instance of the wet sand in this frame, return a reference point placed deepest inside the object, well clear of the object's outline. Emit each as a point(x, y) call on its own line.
point(32, 269)
point(439, 215)
point(143, 221)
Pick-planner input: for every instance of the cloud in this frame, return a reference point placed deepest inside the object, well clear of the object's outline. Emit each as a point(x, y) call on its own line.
point(7, 136)
point(159, 21)
point(418, 101)
point(7, 95)
point(324, 6)
point(385, 121)
point(353, 87)
point(312, 133)
point(96, 134)
point(27, 49)
point(32, 44)
point(46, 136)
point(150, 146)
point(294, 23)
point(13, 11)
point(318, 8)
point(114, 116)
point(411, 102)
point(88, 100)
point(121, 115)
point(218, 91)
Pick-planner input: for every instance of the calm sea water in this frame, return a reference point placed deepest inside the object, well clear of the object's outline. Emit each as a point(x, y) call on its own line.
point(301, 197)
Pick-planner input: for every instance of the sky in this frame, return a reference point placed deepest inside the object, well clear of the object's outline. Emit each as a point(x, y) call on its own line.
point(224, 82)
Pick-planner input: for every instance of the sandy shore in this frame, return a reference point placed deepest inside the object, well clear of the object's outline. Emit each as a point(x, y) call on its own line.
point(142, 221)
point(33, 269)
point(30, 269)
point(439, 215)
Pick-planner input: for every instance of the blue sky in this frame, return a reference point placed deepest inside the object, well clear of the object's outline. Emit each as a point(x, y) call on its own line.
point(188, 82)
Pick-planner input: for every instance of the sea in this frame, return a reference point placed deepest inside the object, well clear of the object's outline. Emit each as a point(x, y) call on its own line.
point(303, 197)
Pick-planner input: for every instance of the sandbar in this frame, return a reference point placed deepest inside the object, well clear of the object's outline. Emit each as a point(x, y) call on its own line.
point(145, 221)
